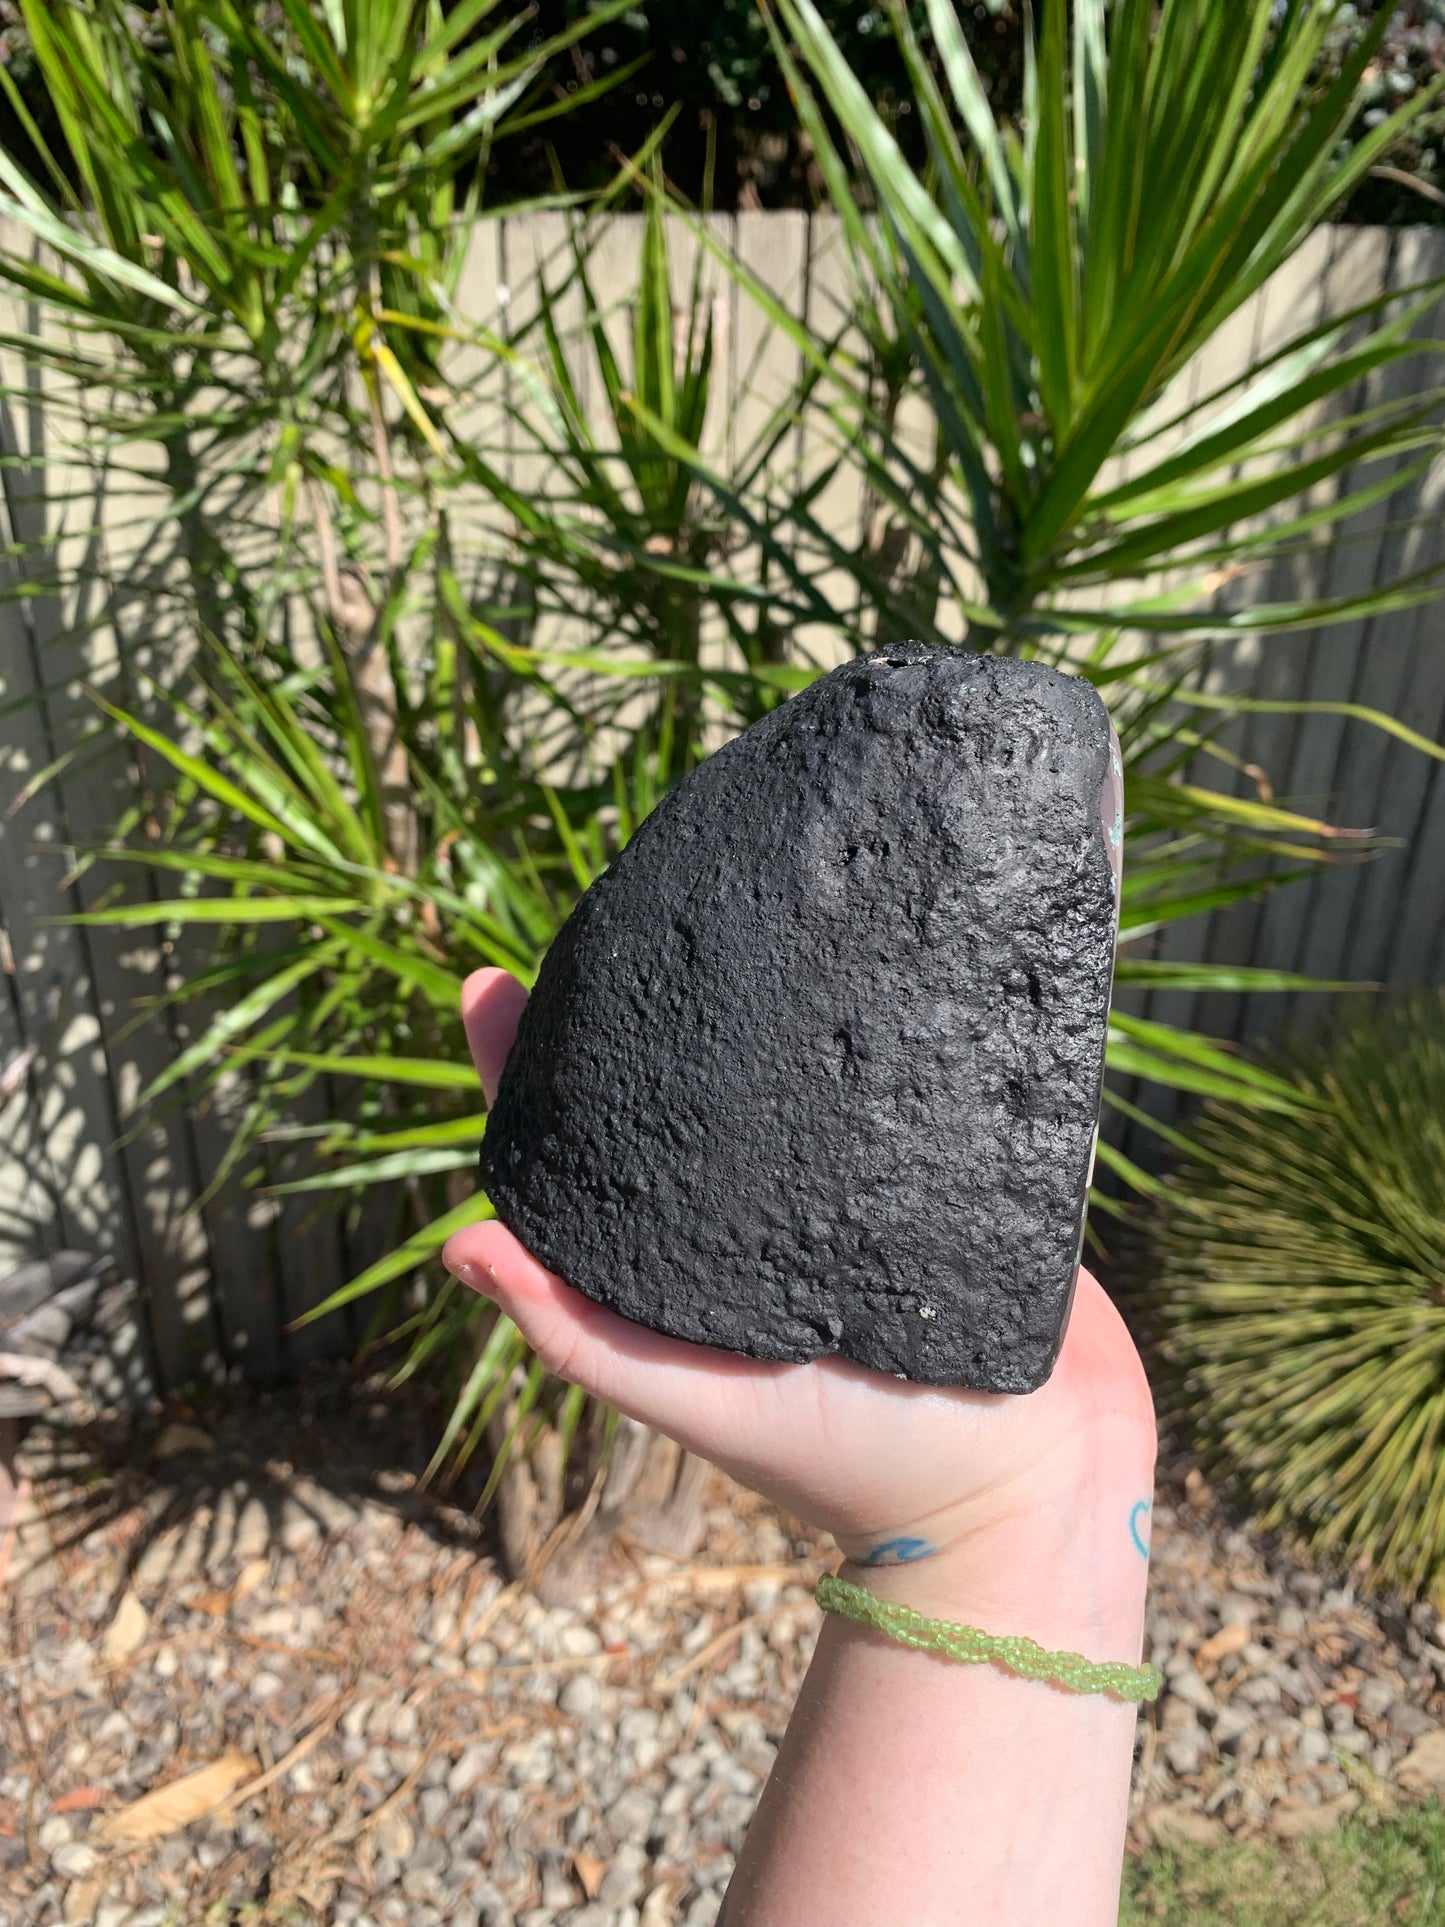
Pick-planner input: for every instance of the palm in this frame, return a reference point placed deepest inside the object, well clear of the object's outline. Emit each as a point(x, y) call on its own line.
point(840, 1446)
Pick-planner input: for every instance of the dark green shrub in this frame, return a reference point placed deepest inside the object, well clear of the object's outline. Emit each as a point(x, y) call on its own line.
point(1412, 55)
point(711, 61)
point(1300, 1296)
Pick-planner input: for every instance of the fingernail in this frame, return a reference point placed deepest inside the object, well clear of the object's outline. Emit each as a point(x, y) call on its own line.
point(475, 1277)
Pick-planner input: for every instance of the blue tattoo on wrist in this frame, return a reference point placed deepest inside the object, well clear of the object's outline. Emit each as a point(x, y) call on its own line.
point(1140, 1510)
point(898, 1552)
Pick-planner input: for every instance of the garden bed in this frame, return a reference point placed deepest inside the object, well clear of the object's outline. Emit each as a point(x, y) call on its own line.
point(262, 1590)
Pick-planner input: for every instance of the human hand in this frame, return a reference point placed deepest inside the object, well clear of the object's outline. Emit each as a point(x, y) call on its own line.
point(1017, 1504)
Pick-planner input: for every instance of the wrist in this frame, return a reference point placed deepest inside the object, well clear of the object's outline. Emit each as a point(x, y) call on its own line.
point(1069, 1570)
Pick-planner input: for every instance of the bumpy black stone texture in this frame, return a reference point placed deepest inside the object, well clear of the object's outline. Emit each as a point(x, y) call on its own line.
point(815, 1067)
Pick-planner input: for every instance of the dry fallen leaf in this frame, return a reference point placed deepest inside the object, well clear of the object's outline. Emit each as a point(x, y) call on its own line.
point(660, 1907)
point(126, 1632)
point(254, 1573)
point(81, 1900)
point(589, 1870)
point(1423, 1768)
point(177, 1439)
point(1309, 1823)
point(169, 1808)
point(80, 1799)
point(1181, 1826)
point(1218, 1646)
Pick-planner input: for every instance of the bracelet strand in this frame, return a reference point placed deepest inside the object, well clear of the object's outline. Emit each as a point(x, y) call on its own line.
point(973, 1647)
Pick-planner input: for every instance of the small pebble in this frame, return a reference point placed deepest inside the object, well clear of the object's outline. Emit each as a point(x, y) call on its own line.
point(470, 1767)
point(427, 1856)
point(75, 1860)
point(1262, 1690)
point(623, 1881)
point(1186, 1750)
point(1231, 1723)
point(580, 1696)
point(1376, 1697)
point(1407, 1722)
point(1189, 1687)
point(434, 1802)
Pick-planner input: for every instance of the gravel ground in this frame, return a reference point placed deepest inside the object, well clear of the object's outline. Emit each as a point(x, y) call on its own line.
point(247, 1664)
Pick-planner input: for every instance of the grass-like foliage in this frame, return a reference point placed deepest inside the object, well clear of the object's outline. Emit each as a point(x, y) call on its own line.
point(1375, 1869)
point(1301, 1295)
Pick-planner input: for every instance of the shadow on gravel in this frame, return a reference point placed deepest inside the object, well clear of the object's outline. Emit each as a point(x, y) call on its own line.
point(226, 1479)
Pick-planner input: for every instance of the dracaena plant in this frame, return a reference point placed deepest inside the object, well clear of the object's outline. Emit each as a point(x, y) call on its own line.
point(240, 237)
point(1038, 292)
point(1050, 283)
point(632, 573)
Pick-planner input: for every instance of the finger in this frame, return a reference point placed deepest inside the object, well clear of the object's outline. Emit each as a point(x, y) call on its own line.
point(492, 1006)
point(1099, 1365)
point(695, 1394)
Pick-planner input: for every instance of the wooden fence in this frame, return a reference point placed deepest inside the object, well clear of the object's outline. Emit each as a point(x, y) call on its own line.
point(224, 1275)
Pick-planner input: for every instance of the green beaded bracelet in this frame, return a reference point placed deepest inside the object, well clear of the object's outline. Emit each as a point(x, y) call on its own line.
point(974, 1648)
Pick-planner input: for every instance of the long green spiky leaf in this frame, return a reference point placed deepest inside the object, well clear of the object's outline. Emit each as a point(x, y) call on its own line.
point(417, 1251)
point(426, 1073)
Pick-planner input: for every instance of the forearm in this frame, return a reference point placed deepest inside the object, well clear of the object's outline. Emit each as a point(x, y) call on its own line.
point(913, 1789)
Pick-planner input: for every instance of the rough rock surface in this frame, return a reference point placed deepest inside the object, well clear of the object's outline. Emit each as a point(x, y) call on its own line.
point(815, 1066)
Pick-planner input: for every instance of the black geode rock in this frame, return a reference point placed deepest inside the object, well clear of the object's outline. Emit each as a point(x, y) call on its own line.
point(815, 1067)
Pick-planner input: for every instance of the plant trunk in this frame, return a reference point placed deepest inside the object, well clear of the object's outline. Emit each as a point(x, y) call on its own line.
point(207, 564)
point(352, 610)
point(556, 1522)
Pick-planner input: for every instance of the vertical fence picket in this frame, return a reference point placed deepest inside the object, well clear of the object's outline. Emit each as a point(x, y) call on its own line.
point(1324, 672)
point(839, 504)
point(1169, 944)
point(1415, 951)
point(103, 643)
point(1399, 670)
point(1230, 355)
point(1233, 663)
point(1267, 667)
point(765, 368)
point(61, 1159)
